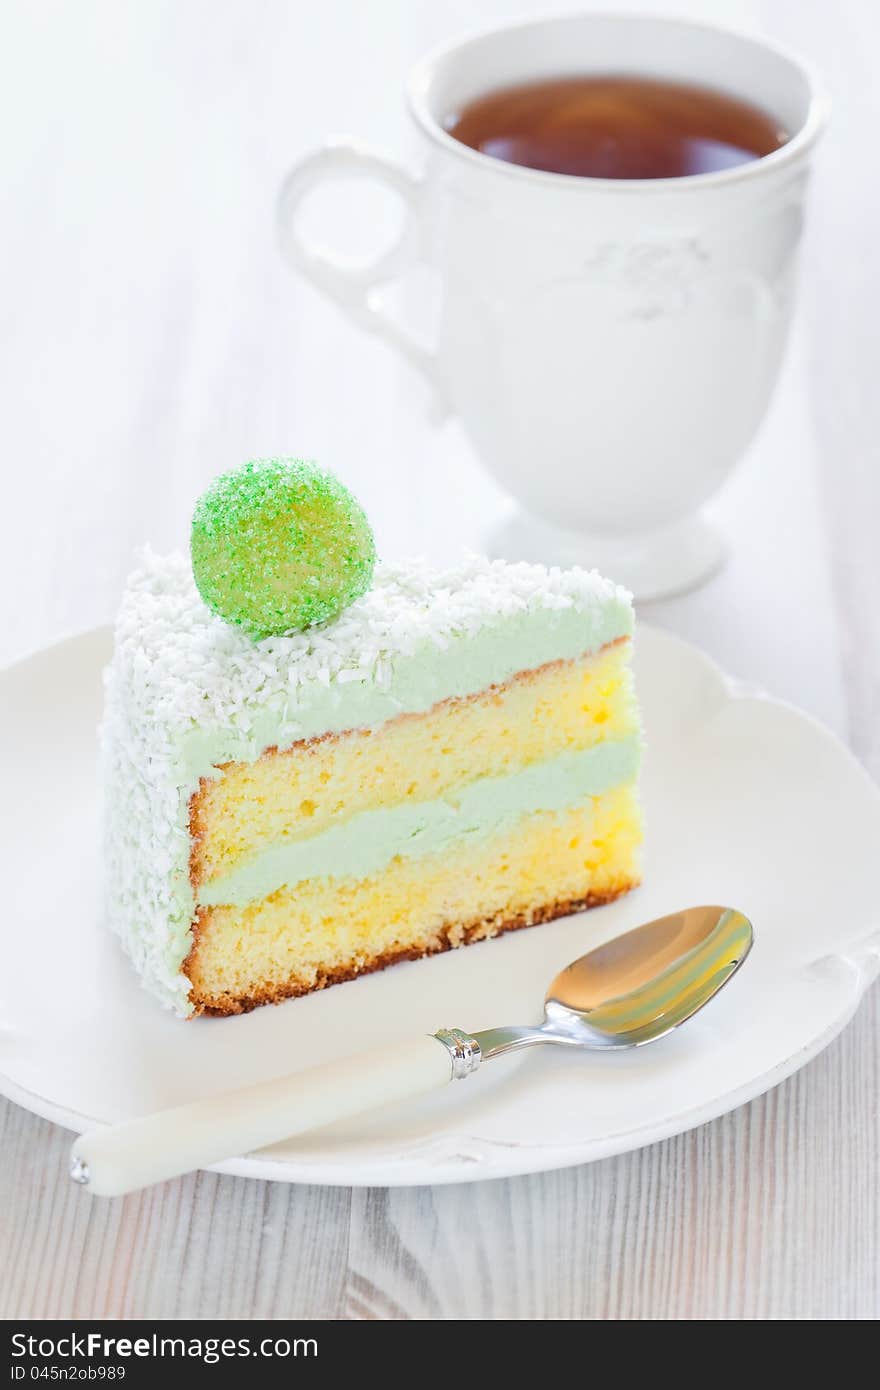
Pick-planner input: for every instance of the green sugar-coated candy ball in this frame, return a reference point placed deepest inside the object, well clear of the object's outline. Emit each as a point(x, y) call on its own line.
point(279, 545)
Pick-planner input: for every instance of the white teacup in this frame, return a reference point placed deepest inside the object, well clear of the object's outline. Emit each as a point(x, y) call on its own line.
point(609, 345)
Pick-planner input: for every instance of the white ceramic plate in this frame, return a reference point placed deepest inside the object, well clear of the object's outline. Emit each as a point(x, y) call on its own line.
point(748, 802)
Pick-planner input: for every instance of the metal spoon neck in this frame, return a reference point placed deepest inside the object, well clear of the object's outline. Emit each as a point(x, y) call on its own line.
point(494, 1042)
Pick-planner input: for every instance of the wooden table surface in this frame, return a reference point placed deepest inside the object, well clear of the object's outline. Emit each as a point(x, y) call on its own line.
point(150, 337)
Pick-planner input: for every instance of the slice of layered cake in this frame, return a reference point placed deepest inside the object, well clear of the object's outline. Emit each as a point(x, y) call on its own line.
point(453, 757)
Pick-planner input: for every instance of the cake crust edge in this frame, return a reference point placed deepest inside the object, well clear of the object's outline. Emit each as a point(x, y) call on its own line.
point(448, 938)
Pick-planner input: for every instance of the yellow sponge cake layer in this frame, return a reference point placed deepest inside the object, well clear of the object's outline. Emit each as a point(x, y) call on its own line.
point(296, 794)
point(324, 930)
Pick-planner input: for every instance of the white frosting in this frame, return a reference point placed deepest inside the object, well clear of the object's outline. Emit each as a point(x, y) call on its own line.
point(200, 669)
point(185, 691)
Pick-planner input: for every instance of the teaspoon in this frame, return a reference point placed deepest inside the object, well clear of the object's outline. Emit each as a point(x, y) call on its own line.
point(630, 991)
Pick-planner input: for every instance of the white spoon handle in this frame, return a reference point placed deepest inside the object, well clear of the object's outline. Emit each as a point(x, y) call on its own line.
point(121, 1158)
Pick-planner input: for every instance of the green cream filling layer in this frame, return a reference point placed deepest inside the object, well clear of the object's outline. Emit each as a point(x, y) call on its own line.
point(416, 682)
point(368, 841)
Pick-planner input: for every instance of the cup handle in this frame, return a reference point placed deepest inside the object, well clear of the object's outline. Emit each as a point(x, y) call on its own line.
point(355, 288)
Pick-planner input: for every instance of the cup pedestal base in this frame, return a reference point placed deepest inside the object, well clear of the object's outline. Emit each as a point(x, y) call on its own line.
point(655, 564)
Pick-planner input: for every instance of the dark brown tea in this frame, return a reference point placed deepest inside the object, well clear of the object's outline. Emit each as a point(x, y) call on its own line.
point(616, 127)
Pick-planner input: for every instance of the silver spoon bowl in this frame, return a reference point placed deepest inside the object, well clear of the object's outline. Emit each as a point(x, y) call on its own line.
point(637, 987)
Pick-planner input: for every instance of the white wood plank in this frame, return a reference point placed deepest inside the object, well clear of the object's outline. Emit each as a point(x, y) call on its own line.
point(203, 1247)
